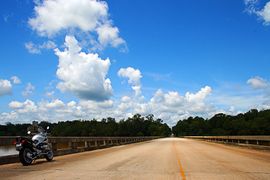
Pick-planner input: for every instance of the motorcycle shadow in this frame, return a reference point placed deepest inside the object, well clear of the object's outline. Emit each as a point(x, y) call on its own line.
point(41, 161)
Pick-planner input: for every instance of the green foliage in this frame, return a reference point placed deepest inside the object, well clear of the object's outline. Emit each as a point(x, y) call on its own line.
point(252, 122)
point(133, 126)
point(13, 129)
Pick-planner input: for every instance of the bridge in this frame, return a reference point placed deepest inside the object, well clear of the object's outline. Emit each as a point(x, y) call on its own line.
point(162, 158)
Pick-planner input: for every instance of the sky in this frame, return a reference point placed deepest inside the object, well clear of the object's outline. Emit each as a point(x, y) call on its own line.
point(83, 59)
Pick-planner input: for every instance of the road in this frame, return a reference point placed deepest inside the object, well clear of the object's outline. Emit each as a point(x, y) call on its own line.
point(168, 158)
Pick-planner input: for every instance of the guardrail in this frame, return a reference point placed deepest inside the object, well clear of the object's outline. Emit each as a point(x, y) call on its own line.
point(262, 141)
point(68, 145)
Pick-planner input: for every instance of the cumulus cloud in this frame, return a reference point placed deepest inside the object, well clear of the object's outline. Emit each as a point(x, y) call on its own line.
point(29, 89)
point(200, 95)
point(169, 106)
point(262, 13)
point(257, 82)
point(27, 106)
point(37, 48)
point(15, 104)
point(27, 111)
point(265, 13)
point(190, 102)
point(83, 74)
point(134, 78)
point(108, 35)
point(5, 87)
point(55, 104)
point(15, 80)
point(53, 111)
point(52, 16)
point(88, 16)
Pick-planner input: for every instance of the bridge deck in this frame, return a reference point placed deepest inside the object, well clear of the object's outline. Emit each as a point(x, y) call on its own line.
point(169, 158)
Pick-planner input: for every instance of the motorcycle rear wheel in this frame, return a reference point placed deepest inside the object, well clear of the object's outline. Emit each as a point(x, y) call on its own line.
point(24, 156)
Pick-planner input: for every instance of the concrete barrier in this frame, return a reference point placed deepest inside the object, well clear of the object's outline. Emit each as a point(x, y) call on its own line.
point(262, 142)
point(69, 145)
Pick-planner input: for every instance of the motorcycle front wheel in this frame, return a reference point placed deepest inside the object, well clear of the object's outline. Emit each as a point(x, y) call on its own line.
point(25, 156)
point(49, 155)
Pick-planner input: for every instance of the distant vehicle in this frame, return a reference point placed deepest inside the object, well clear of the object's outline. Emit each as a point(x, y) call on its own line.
point(34, 148)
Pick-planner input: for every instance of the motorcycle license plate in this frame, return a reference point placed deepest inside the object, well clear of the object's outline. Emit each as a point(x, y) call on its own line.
point(18, 146)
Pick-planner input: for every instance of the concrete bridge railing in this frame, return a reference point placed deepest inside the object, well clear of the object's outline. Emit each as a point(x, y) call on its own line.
point(68, 145)
point(255, 141)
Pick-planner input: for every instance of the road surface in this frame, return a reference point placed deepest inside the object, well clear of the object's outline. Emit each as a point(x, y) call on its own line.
point(168, 158)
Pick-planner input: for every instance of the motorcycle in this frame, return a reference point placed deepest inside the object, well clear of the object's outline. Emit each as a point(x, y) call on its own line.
point(34, 148)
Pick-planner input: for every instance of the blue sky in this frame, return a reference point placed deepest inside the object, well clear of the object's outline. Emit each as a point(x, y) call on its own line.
point(184, 57)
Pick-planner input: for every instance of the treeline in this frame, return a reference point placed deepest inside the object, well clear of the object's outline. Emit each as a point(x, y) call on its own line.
point(253, 122)
point(134, 126)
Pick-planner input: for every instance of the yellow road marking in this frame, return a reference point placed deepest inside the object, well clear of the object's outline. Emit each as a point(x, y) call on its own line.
point(182, 172)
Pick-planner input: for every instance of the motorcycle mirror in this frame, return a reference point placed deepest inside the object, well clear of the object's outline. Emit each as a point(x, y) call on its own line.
point(28, 132)
point(48, 127)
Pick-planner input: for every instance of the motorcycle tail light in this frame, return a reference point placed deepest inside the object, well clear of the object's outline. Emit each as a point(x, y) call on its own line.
point(14, 142)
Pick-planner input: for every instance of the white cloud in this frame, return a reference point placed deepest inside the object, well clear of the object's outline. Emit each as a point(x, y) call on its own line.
point(241, 97)
point(52, 16)
point(170, 106)
point(251, 5)
point(87, 16)
point(53, 111)
point(37, 48)
point(29, 89)
point(55, 104)
point(95, 107)
point(15, 80)
point(191, 103)
point(125, 104)
point(15, 105)
point(241, 103)
point(83, 74)
point(265, 13)
point(8, 117)
point(32, 48)
point(5, 87)
point(199, 96)
point(71, 104)
point(27, 106)
point(172, 98)
point(108, 35)
point(257, 82)
point(262, 13)
point(134, 78)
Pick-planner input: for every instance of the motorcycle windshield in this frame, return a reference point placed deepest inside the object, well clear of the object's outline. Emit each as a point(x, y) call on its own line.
point(41, 130)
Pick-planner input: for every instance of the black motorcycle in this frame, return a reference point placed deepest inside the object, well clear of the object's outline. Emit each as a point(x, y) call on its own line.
point(34, 148)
